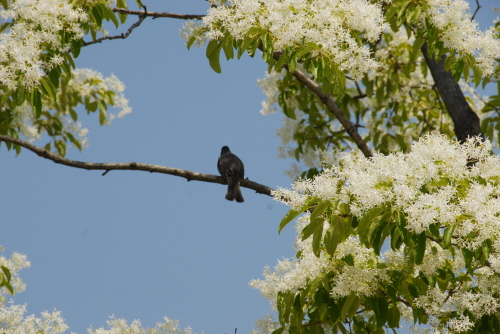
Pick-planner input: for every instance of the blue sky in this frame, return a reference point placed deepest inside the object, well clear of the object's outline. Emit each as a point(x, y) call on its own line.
point(140, 245)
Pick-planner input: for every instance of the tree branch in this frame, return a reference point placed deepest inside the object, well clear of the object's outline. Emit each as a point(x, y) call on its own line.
point(331, 106)
point(465, 120)
point(142, 17)
point(154, 15)
point(334, 109)
point(189, 175)
point(477, 9)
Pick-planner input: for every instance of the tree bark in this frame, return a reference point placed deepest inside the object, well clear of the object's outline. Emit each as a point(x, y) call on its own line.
point(465, 120)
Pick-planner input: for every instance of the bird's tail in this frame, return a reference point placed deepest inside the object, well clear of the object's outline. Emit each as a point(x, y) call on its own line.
point(233, 190)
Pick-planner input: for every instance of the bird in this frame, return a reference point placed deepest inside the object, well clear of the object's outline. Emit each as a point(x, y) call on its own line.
point(232, 171)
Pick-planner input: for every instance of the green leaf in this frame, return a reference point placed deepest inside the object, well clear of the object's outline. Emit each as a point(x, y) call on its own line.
point(393, 316)
point(76, 46)
point(213, 55)
point(244, 46)
point(312, 227)
point(102, 115)
point(227, 44)
point(280, 62)
point(383, 308)
point(448, 233)
point(20, 96)
point(75, 141)
point(487, 248)
point(316, 245)
point(349, 259)
point(279, 330)
point(305, 50)
point(419, 41)
point(332, 238)
point(6, 272)
point(468, 257)
point(434, 229)
point(5, 4)
point(391, 11)
point(61, 147)
point(190, 41)
point(291, 215)
point(97, 13)
point(347, 305)
point(36, 102)
point(292, 63)
point(365, 222)
point(419, 243)
point(333, 311)
point(48, 89)
point(319, 209)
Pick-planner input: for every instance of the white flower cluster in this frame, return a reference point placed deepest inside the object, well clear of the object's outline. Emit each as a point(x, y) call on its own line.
point(87, 84)
point(14, 264)
point(431, 184)
point(434, 162)
point(269, 85)
point(93, 85)
point(37, 28)
point(119, 326)
point(459, 32)
point(291, 274)
point(13, 321)
point(326, 23)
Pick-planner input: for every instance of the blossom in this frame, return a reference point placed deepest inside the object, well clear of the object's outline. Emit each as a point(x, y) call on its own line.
point(14, 321)
point(14, 264)
point(326, 23)
point(460, 33)
point(431, 185)
point(23, 56)
point(120, 326)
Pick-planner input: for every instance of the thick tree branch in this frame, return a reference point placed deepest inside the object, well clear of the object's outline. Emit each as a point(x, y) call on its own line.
point(465, 120)
point(159, 14)
point(189, 175)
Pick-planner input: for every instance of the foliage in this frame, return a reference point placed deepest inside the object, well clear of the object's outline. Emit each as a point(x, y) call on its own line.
point(436, 218)
point(39, 41)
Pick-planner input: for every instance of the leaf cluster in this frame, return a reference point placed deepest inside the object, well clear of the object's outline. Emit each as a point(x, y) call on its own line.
point(52, 100)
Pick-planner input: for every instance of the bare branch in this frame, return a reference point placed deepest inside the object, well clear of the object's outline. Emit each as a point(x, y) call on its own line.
point(189, 175)
point(142, 17)
point(477, 9)
point(159, 14)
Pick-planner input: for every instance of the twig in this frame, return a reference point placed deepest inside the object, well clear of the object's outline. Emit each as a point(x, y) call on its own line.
point(189, 175)
point(477, 9)
point(142, 17)
point(159, 14)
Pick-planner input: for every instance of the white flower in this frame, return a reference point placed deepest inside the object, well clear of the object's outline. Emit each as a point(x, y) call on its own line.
point(459, 32)
point(326, 23)
point(24, 44)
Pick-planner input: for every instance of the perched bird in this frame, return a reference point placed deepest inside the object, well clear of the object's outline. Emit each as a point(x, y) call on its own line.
point(232, 171)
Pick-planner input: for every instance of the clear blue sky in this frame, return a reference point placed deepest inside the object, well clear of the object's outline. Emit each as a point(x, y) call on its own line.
point(141, 245)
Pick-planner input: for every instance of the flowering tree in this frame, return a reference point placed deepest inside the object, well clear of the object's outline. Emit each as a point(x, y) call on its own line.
point(371, 75)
